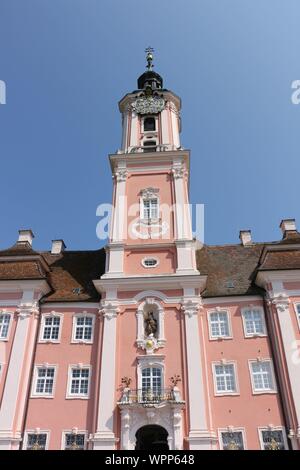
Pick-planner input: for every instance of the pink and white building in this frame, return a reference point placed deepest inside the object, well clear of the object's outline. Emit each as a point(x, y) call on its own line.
point(156, 341)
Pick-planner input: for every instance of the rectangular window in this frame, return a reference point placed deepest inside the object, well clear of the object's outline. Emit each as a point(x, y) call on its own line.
point(219, 325)
point(44, 381)
point(272, 440)
point(262, 376)
point(232, 440)
point(298, 313)
point(79, 385)
point(254, 322)
point(51, 327)
point(74, 441)
point(225, 378)
point(4, 325)
point(150, 208)
point(36, 441)
point(83, 328)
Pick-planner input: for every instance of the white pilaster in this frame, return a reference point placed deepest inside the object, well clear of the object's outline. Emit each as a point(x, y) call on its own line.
point(199, 435)
point(281, 301)
point(104, 438)
point(18, 374)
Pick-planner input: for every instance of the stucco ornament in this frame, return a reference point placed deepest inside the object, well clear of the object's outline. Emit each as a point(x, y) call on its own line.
point(149, 105)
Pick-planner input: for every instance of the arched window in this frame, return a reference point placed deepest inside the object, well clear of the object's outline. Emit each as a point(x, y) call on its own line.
point(149, 124)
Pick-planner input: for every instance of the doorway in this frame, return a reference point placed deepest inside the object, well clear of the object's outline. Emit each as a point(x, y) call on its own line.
point(152, 438)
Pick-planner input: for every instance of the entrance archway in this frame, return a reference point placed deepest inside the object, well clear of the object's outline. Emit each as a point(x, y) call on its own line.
point(152, 438)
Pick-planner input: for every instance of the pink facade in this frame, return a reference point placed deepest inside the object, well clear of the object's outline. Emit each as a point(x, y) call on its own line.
point(155, 342)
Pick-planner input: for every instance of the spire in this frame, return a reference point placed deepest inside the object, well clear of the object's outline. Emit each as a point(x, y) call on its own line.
point(150, 79)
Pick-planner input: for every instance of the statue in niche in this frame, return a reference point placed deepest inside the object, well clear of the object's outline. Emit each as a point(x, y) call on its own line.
point(150, 324)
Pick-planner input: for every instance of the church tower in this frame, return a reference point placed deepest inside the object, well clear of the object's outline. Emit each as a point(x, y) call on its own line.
point(151, 277)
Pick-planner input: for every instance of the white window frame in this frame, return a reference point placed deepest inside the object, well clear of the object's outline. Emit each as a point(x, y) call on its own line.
point(156, 125)
point(142, 208)
point(80, 315)
point(296, 304)
point(219, 337)
point(262, 313)
point(34, 393)
point(7, 312)
point(148, 258)
point(225, 363)
point(47, 315)
point(36, 431)
point(262, 392)
point(74, 431)
point(272, 428)
point(231, 429)
point(72, 396)
point(145, 362)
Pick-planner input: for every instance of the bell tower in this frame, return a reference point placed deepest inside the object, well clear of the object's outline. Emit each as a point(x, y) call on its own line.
point(151, 274)
point(151, 224)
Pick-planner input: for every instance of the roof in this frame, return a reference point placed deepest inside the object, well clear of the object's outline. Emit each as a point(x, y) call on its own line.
point(230, 269)
point(72, 273)
point(229, 265)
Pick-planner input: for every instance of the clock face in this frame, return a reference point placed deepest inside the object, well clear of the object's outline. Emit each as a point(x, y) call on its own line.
point(149, 105)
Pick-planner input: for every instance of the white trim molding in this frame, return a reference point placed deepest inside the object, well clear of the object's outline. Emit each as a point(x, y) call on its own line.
point(51, 314)
point(225, 362)
point(273, 378)
point(36, 431)
point(262, 313)
point(76, 316)
point(232, 429)
point(270, 427)
point(296, 304)
point(228, 316)
point(34, 393)
point(75, 396)
point(74, 431)
point(11, 317)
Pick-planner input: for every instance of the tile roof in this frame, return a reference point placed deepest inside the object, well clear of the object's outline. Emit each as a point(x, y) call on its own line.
point(229, 265)
point(71, 275)
point(230, 269)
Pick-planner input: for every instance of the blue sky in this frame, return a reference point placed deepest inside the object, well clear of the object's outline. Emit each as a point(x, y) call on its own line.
point(67, 63)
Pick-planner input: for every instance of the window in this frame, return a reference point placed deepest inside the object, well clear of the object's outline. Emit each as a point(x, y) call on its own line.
point(272, 439)
point(4, 325)
point(149, 124)
point(150, 208)
point(51, 328)
point(79, 382)
point(149, 262)
point(151, 382)
point(36, 441)
point(298, 313)
point(224, 375)
point(254, 323)
point(149, 146)
point(83, 328)
point(232, 440)
point(74, 441)
point(219, 325)
point(44, 381)
point(262, 376)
